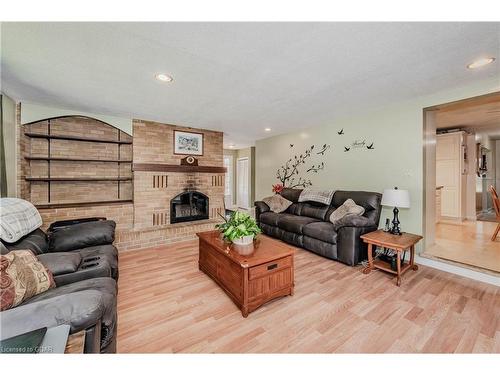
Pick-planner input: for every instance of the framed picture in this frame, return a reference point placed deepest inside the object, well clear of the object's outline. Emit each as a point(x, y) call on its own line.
point(188, 143)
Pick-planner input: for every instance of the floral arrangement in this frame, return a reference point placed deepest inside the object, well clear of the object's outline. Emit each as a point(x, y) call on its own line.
point(278, 188)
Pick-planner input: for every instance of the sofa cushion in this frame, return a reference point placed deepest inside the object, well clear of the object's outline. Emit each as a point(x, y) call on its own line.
point(293, 223)
point(269, 218)
point(322, 230)
point(277, 203)
point(349, 207)
point(291, 194)
point(369, 200)
point(314, 210)
point(61, 263)
point(82, 235)
point(23, 277)
point(294, 209)
point(35, 241)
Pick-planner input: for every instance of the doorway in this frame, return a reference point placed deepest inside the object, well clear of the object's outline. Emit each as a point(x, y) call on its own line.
point(460, 161)
point(242, 183)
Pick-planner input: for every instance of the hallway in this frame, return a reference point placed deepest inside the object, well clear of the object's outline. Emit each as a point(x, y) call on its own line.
point(467, 242)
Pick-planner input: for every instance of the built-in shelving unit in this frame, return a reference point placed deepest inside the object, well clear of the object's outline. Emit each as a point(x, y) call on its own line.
point(74, 138)
point(78, 179)
point(66, 163)
point(78, 160)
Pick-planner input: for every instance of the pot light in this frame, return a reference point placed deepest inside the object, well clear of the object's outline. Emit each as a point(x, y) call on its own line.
point(164, 77)
point(231, 146)
point(480, 62)
point(267, 129)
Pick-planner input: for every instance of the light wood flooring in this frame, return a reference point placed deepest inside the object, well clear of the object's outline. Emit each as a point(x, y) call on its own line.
point(467, 242)
point(165, 304)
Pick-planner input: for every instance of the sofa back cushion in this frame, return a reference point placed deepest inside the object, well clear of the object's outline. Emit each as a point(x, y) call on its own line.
point(291, 194)
point(370, 201)
point(35, 241)
point(314, 210)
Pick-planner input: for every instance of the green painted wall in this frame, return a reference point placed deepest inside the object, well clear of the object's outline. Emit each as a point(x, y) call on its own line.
point(397, 160)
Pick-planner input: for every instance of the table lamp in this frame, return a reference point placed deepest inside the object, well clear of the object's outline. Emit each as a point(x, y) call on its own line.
point(396, 198)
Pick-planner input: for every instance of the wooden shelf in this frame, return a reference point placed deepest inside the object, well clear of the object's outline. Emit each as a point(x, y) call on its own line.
point(83, 204)
point(380, 264)
point(77, 159)
point(147, 167)
point(74, 138)
point(78, 178)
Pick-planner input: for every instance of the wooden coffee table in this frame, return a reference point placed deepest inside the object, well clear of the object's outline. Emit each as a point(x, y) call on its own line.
point(250, 275)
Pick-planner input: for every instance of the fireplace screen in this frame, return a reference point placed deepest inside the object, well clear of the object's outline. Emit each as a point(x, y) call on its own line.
point(188, 206)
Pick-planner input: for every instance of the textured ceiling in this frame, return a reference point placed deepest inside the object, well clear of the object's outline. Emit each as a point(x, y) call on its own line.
point(240, 77)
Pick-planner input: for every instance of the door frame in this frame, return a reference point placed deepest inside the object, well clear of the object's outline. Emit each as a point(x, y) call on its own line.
point(429, 164)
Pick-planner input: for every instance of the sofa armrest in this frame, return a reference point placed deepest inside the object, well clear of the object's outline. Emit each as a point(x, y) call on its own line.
point(350, 247)
point(80, 310)
point(260, 208)
point(353, 221)
point(82, 235)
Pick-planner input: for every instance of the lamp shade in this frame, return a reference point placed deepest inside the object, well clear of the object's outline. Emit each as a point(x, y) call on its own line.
point(396, 198)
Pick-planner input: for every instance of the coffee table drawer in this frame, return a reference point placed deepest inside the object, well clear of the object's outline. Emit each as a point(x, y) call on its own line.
point(270, 267)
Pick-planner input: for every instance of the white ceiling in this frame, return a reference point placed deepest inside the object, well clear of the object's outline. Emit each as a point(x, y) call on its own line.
point(240, 77)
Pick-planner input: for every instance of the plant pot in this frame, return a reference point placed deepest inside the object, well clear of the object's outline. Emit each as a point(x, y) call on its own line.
point(245, 240)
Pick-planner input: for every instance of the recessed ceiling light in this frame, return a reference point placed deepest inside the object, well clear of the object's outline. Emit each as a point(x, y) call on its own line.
point(164, 77)
point(231, 146)
point(480, 62)
point(267, 129)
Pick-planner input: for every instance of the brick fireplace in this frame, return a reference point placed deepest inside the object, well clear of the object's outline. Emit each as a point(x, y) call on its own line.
point(157, 180)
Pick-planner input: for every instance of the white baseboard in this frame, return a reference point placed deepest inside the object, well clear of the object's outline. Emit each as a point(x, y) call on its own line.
point(465, 272)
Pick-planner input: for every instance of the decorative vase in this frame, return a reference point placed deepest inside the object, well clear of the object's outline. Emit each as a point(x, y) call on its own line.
point(245, 240)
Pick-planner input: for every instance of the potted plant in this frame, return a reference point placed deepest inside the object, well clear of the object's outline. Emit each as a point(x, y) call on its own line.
point(240, 228)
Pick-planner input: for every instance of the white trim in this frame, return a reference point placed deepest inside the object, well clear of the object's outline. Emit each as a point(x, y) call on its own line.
point(465, 272)
point(31, 112)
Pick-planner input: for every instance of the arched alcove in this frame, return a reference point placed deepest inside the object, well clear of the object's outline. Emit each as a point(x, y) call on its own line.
point(76, 160)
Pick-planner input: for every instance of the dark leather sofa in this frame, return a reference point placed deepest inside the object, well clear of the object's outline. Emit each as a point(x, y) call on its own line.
point(307, 224)
point(81, 256)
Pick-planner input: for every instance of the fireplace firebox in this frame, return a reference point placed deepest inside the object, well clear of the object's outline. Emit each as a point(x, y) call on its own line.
point(188, 206)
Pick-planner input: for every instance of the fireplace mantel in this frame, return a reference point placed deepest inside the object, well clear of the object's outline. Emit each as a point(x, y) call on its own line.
point(150, 167)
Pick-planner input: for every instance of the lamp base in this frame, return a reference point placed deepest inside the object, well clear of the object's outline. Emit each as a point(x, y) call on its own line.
point(395, 223)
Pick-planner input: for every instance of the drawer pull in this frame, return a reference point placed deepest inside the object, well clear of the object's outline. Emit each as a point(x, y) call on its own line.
point(272, 266)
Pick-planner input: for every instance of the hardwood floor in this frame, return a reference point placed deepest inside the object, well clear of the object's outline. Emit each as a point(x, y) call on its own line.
point(467, 242)
point(165, 304)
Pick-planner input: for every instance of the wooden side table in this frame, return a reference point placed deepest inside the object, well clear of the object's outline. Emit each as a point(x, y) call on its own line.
point(394, 242)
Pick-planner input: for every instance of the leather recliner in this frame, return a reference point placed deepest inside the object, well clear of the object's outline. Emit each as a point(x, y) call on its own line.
point(307, 225)
point(84, 263)
point(73, 250)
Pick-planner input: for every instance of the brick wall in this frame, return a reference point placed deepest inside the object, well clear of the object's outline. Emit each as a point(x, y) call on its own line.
point(151, 191)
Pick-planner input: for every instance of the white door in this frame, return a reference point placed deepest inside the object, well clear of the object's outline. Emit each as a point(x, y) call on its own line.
point(242, 181)
point(448, 173)
point(228, 188)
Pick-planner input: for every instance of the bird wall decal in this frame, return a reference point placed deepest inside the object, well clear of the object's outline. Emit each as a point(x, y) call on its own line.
point(346, 149)
point(291, 145)
point(341, 132)
point(370, 147)
point(323, 149)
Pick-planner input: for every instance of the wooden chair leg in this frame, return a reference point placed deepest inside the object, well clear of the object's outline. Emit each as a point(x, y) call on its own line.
point(493, 238)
